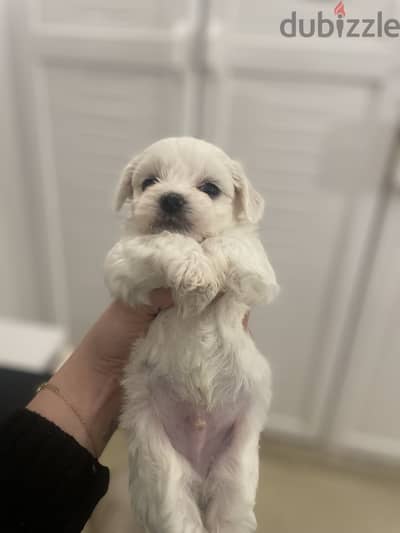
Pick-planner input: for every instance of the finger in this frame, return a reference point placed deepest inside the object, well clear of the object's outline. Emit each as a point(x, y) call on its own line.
point(161, 299)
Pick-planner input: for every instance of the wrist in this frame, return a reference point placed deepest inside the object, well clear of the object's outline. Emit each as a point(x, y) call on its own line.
point(88, 403)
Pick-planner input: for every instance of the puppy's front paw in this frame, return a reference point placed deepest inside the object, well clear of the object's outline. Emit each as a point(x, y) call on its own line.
point(120, 276)
point(252, 287)
point(121, 289)
point(193, 274)
point(196, 285)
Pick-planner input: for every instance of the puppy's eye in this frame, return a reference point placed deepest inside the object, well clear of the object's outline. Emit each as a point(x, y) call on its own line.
point(151, 180)
point(210, 188)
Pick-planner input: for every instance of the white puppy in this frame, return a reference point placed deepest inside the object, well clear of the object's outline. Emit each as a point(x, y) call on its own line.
point(197, 390)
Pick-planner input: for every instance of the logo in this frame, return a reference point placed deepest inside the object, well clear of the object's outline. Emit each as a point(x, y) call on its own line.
point(340, 10)
point(342, 26)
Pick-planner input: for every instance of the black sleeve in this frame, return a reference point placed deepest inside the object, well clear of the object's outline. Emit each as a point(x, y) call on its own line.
point(48, 481)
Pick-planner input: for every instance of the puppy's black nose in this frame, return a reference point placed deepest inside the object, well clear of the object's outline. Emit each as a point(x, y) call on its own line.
point(172, 203)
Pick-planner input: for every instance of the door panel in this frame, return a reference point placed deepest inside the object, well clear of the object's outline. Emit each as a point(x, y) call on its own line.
point(315, 147)
point(102, 82)
point(98, 121)
point(368, 410)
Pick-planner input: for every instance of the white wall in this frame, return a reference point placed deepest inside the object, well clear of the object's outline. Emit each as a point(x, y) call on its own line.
point(18, 295)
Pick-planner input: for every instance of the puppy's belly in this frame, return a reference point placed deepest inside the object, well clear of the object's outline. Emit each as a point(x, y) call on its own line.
point(201, 436)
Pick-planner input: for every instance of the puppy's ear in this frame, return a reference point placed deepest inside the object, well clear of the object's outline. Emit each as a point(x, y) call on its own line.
point(250, 203)
point(124, 190)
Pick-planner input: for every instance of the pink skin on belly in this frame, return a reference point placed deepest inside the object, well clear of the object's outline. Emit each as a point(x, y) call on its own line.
point(199, 435)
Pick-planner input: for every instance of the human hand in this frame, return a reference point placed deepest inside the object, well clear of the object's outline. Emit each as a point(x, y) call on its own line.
point(90, 378)
point(108, 343)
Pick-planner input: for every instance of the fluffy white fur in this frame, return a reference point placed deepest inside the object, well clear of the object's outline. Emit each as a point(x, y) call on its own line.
point(215, 265)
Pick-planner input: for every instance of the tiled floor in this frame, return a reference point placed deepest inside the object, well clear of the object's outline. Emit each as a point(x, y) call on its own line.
point(296, 495)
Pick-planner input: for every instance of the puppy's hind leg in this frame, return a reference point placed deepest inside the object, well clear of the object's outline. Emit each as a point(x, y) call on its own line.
point(161, 481)
point(232, 484)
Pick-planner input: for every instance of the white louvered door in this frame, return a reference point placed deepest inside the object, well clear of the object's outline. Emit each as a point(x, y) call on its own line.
point(104, 79)
point(289, 112)
point(99, 80)
point(368, 417)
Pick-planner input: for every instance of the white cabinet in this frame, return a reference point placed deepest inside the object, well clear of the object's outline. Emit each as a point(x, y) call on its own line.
point(368, 416)
point(316, 150)
point(100, 80)
point(104, 81)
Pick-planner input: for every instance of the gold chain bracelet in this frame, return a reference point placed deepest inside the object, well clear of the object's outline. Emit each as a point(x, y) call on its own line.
point(55, 390)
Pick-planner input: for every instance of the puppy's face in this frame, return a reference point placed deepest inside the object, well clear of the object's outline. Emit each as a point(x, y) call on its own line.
point(188, 186)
